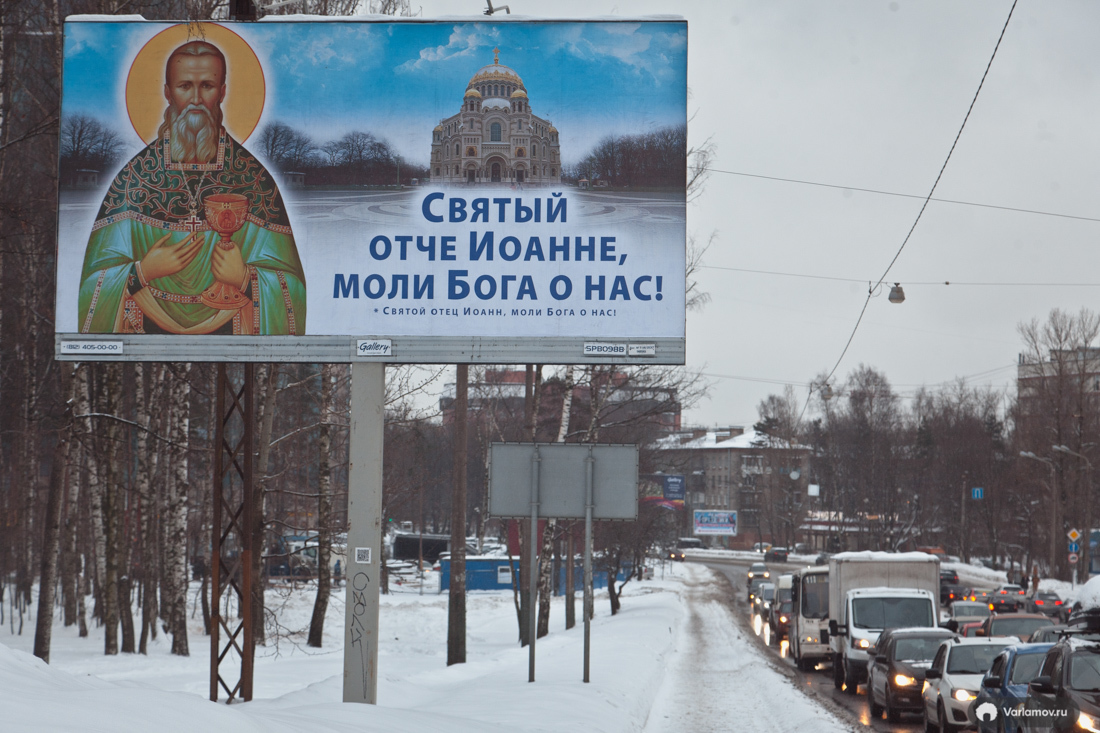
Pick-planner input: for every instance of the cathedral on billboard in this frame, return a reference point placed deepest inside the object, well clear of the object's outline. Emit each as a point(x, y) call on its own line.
point(496, 139)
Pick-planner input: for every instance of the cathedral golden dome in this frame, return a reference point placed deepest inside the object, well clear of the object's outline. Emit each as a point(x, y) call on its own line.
point(519, 94)
point(473, 93)
point(496, 72)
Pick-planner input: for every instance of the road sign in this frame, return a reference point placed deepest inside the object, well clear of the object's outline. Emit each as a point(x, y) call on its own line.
point(977, 492)
point(1074, 535)
point(1074, 547)
point(1073, 558)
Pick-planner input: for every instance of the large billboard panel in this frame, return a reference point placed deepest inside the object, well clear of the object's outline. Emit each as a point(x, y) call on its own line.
point(406, 191)
point(711, 522)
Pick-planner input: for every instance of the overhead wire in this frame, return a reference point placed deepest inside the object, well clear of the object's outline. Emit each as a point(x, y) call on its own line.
point(872, 288)
point(907, 282)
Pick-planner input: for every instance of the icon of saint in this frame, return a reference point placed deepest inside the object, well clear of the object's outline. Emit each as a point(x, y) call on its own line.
point(160, 258)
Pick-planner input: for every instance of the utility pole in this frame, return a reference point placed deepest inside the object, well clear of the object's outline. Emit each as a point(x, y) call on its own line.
point(456, 622)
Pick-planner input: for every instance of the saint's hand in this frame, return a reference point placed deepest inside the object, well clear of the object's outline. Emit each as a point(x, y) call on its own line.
point(228, 266)
point(165, 259)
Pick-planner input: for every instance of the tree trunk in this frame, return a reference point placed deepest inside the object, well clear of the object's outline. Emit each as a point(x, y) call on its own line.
point(51, 540)
point(324, 509)
point(456, 621)
point(76, 457)
point(269, 381)
point(112, 524)
point(146, 379)
point(175, 539)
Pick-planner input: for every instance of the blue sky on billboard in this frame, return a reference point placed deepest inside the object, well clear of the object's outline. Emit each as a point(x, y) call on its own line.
point(588, 79)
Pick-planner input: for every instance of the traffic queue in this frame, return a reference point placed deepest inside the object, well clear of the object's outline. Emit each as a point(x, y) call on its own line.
point(988, 660)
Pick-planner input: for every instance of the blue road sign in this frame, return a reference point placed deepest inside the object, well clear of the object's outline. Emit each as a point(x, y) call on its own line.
point(1074, 547)
point(977, 492)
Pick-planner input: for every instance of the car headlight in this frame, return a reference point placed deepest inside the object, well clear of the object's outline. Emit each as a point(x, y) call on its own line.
point(903, 680)
point(750, 575)
point(1087, 722)
point(924, 687)
point(782, 619)
point(863, 644)
point(767, 575)
point(964, 695)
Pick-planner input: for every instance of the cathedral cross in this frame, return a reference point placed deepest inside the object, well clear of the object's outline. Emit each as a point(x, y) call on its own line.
point(496, 55)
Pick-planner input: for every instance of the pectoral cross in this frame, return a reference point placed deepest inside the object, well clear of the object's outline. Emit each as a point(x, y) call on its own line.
point(193, 222)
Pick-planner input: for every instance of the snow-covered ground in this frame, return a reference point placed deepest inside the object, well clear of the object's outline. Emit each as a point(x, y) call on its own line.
point(671, 660)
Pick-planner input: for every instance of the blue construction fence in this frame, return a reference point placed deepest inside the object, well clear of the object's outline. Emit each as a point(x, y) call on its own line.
point(495, 573)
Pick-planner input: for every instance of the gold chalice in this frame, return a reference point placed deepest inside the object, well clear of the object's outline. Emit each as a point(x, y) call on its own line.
point(225, 213)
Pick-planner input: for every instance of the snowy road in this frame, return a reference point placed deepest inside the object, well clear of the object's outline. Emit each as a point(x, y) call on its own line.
point(718, 679)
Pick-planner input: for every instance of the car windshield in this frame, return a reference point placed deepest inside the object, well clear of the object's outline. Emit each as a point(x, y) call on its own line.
point(973, 658)
point(785, 607)
point(1084, 670)
point(1025, 668)
point(917, 649)
point(815, 596)
point(767, 593)
point(758, 568)
point(891, 613)
point(1021, 627)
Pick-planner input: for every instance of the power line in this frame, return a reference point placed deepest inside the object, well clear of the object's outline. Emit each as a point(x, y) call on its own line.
point(871, 290)
point(907, 282)
point(906, 195)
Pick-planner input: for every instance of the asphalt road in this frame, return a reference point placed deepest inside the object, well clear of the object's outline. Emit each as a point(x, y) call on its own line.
point(818, 684)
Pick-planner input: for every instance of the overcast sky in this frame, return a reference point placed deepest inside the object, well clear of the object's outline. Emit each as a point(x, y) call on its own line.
point(870, 94)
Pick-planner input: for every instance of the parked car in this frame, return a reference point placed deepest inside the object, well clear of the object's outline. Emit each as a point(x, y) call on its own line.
point(1005, 684)
point(895, 673)
point(801, 548)
point(1046, 602)
point(954, 679)
point(776, 554)
point(822, 559)
point(761, 546)
point(1020, 625)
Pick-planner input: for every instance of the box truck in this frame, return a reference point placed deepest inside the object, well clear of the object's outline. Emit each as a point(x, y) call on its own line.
point(873, 591)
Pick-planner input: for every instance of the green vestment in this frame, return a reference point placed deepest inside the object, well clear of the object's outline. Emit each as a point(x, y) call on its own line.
point(153, 196)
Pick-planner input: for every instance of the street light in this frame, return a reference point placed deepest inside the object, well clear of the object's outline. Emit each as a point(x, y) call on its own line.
point(1088, 503)
point(1053, 506)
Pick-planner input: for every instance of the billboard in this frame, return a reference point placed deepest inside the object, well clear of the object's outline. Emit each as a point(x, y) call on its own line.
point(451, 191)
point(675, 487)
point(708, 521)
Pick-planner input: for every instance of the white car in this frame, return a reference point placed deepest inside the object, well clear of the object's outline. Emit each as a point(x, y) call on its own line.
point(953, 681)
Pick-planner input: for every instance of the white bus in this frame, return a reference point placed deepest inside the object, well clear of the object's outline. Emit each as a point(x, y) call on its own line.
point(809, 633)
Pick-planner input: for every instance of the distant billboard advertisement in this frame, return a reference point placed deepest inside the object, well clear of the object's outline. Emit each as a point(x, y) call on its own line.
point(708, 521)
point(443, 191)
point(675, 487)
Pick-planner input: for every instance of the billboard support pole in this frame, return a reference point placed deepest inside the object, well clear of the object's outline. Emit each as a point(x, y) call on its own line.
point(231, 545)
point(588, 466)
point(532, 582)
point(368, 383)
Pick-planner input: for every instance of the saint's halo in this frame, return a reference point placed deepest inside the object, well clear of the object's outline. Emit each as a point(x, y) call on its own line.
point(245, 88)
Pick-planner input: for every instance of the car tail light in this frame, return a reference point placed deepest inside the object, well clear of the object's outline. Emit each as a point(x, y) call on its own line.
point(1057, 603)
point(1038, 602)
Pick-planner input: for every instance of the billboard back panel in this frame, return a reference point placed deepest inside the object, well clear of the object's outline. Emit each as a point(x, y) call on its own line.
point(456, 191)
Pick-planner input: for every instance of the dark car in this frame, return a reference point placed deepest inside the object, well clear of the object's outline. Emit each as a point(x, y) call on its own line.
point(776, 554)
point(1047, 633)
point(822, 559)
point(949, 576)
point(754, 587)
point(1046, 602)
point(675, 553)
point(759, 570)
point(895, 673)
point(762, 600)
point(780, 620)
point(1070, 671)
point(1005, 684)
point(1020, 625)
point(951, 592)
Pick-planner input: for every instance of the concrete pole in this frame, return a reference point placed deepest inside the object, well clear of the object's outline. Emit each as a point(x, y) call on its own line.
point(368, 384)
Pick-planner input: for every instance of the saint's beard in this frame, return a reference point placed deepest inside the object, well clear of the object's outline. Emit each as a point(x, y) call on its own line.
point(193, 133)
